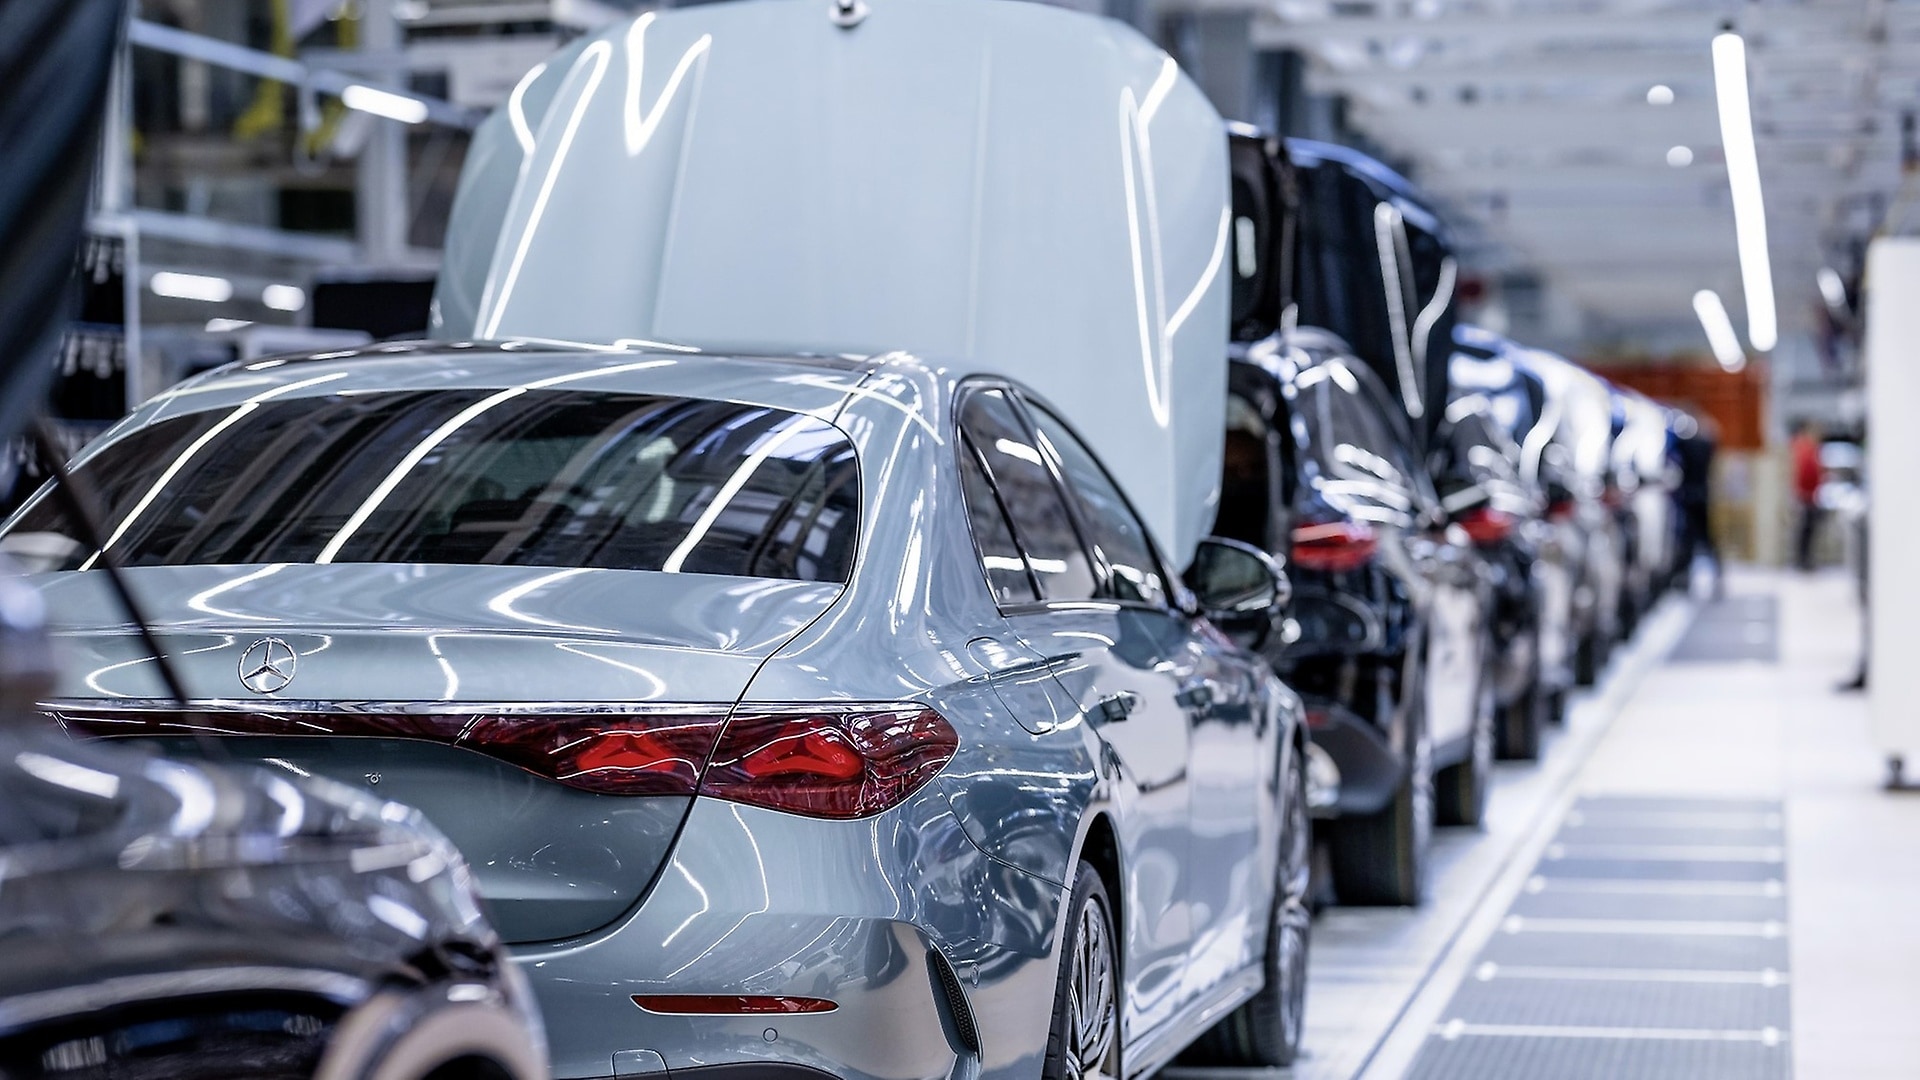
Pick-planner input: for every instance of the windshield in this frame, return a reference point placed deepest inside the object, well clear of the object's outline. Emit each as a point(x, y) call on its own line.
point(519, 477)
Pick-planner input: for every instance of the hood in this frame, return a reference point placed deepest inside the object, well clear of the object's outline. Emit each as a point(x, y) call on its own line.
point(1001, 188)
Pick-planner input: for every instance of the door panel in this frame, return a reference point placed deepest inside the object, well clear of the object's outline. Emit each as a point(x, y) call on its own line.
point(1210, 698)
point(1107, 653)
point(1232, 760)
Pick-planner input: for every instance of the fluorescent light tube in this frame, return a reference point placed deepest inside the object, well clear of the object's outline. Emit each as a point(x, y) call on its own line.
point(284, 297)
point(1743, 174)
point(407, 110)
point(1832, 289)
point(213, 290)
point(1720, 336)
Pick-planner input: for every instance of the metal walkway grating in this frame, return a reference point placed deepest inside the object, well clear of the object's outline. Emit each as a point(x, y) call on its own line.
point(1738, 628)
point(1650, 943)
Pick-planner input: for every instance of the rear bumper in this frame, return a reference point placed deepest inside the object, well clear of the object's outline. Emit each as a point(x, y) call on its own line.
point(1370, 768)
point(861, 913)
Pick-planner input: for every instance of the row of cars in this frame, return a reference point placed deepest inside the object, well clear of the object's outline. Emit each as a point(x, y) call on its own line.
point(791, 706)
point(1470, 525)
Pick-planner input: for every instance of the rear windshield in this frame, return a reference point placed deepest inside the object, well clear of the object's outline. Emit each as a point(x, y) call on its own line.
point(517, 477)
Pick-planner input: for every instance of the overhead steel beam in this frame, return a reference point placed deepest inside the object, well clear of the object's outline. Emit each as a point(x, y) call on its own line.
point(1496, 125)
point(210, 232)
point(1692, 62)
point(1490, 29)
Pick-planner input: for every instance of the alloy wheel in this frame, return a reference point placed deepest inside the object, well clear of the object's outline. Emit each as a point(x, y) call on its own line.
point(1091, 995)
point(1292, 915)
point(1422, 800)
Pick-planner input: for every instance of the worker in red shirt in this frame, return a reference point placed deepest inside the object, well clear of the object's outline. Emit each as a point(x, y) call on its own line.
point(1805, 451)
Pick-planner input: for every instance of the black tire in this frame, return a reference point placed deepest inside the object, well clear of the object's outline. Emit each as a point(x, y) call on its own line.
point(1075, 1049)
point(1556, 708)
point(1266, 1030)
point(1587, 660)
point(1381, 858)
point(1520, 726)
point(1518, 723)
point(1461, 789)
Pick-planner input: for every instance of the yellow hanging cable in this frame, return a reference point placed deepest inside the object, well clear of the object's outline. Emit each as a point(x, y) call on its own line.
point(269, 108)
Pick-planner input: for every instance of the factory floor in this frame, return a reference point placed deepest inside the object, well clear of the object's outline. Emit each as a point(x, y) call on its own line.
point(1703, 877)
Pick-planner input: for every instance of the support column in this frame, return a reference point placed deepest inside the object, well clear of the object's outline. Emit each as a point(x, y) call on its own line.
point(381, 196)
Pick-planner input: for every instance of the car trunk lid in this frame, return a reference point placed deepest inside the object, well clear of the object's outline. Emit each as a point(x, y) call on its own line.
point(553, 723)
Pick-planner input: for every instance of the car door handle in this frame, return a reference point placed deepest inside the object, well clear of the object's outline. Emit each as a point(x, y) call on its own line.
point(1118, 706)
point(1195, 695)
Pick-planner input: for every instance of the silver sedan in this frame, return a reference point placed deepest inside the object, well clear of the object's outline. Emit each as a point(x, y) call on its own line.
point(819, 714)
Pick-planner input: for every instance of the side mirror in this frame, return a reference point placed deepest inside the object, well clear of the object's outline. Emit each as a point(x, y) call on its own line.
point(1241, 589)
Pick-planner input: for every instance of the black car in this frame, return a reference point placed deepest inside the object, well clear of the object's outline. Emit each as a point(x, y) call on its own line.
point(1387, 639)
point(1503, 515)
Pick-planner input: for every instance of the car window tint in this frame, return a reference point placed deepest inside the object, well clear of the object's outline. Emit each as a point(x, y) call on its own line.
point(1117, 532)
point(1041, 525)
point(1246, 477)
point(475, 476)
point(1000, 557)
point(1352, 457)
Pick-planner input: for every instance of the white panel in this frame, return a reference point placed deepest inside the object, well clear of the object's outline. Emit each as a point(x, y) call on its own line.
point(1893, 456)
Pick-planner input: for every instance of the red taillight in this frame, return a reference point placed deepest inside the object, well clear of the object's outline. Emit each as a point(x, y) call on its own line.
point(1561, 510)
point(1333, 547)
point(1318, 719)
point(1484, 525)
point(648, 751)
point(836, 761)
point(660, 754)
point(729, 1004)
point(842, 761)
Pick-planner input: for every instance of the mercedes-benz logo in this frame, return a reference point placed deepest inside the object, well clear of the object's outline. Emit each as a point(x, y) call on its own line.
point(267, 665)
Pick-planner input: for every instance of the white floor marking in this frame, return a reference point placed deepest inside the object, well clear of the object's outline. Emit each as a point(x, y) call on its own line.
point(1671, 819)
point(1515, 924)
point(1765, 977)
point(1456, 1028)
point(1645, 887)
point(1669, 852)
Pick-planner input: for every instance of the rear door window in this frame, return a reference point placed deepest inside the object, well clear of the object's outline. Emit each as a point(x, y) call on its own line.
point(1035, 508)
point(1353, 457)
point(1116, 532)
point(559, 478)
point(1001, 559)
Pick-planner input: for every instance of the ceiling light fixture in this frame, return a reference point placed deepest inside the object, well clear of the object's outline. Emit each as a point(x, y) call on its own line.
point(169, 283)
point(1720, 336)
point(407, 110)
point(1660, 94)
point(1832, 289)
point(1680, 157)
point(1743, 174)
point(284, 297)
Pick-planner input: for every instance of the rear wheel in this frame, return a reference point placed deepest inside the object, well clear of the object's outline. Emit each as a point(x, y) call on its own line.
point(1587, 659)
point(1266, 1030)
point(1084, 1040)
point(1381, 858)
point(1519, 722)
point(1461, 789)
